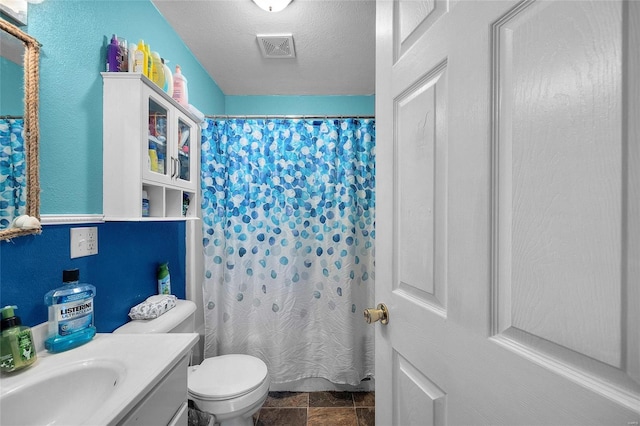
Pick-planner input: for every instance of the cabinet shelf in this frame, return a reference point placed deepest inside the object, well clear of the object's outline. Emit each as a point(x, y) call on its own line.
point(151, 144)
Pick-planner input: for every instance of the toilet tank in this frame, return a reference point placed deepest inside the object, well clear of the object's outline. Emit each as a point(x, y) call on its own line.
point(180, 319)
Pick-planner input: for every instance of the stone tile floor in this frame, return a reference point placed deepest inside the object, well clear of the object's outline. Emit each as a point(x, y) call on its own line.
point(317, 409)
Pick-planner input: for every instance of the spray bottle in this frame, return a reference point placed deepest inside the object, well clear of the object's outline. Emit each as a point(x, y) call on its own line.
point(164, 280)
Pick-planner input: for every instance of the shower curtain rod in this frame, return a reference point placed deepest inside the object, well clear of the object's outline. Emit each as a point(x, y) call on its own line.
point(301, 117)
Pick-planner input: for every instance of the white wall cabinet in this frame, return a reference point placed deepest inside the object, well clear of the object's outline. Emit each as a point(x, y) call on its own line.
point(150, 143)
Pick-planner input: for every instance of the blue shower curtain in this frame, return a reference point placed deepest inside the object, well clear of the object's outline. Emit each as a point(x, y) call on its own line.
point(288, 221)
point(13, 173)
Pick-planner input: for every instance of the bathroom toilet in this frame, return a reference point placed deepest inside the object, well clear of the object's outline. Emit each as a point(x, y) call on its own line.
point(229, 387)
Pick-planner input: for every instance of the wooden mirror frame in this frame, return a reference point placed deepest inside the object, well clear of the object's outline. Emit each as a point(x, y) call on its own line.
point(31, 129)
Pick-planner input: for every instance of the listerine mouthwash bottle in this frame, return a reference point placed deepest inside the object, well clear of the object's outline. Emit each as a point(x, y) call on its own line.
point(70, 313)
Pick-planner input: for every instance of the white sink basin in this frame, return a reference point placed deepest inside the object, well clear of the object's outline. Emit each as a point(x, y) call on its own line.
point(98, 383)
point(68, 394)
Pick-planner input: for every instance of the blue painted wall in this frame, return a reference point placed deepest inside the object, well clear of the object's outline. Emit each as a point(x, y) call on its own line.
point(123, 271)
point(74, 35)
point(300, 105)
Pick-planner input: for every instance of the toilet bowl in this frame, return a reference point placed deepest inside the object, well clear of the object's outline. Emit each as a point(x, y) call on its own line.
point(231, 388)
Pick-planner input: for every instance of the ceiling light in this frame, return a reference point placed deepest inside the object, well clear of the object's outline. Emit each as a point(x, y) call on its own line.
point(272, 5)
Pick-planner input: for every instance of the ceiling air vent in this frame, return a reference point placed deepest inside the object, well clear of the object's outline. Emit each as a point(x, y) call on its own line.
point(276, 46)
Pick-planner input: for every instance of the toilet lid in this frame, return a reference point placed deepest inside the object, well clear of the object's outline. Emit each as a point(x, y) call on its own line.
point(226, 376)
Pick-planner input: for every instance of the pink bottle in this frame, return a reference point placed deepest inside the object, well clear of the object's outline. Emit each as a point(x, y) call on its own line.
point(180, 90)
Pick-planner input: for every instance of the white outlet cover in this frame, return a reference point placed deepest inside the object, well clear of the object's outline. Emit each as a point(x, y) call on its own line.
point(84, 241)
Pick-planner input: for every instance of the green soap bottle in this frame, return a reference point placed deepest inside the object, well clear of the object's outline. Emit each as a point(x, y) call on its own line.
point(16, 342)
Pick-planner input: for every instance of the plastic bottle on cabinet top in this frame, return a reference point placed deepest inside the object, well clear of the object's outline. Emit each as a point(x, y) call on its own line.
point(168, 78)
point(140, 64)
point(180, 90)
point(157, 75)
point(113, 52)
point(147, 50)
point(123, 55)
point(132, 57)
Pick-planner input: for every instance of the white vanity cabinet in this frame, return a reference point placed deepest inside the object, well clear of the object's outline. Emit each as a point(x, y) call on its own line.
point(166, 403)
point(150, 143)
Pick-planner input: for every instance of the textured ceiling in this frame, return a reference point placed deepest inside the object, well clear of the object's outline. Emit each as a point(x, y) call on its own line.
point(334, 45)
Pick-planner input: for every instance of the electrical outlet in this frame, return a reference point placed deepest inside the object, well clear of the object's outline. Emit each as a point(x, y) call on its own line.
point(84, 241)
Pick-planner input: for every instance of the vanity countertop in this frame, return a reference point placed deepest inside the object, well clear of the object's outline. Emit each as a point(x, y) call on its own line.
point(136, 362)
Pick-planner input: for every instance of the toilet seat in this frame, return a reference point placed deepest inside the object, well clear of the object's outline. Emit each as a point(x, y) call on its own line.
point(225, 377)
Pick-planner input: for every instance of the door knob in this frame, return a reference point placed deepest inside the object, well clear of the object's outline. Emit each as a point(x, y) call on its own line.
point(373, 315)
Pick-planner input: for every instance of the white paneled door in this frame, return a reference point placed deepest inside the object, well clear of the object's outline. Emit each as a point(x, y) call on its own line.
point(508, 212)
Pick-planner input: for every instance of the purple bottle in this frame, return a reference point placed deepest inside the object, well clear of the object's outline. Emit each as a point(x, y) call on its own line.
point(112, 55)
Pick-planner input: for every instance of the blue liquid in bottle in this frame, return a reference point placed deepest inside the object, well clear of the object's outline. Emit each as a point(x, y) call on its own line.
point(70, 313)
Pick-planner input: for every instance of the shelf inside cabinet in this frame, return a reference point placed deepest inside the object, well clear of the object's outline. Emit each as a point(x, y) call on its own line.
point(155, 195)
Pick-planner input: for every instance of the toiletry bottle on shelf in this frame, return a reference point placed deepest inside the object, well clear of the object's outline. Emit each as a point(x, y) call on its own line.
point(132, 57)
point(113, 52)
point(168, 78)
point(180, 90)
point(16, 342)
point(164, 279)
point(186, 200)
point(123, 55)
point(145, 204)
point(140, 64)
point(161, 162)
point(70, 313)
point(153, 157)
point(147, 50)
point(158, 72)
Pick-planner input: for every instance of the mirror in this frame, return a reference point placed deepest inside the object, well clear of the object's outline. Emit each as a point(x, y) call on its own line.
point(20, 210)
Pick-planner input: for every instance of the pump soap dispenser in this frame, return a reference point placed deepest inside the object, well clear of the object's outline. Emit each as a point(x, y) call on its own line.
point(16, 342)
